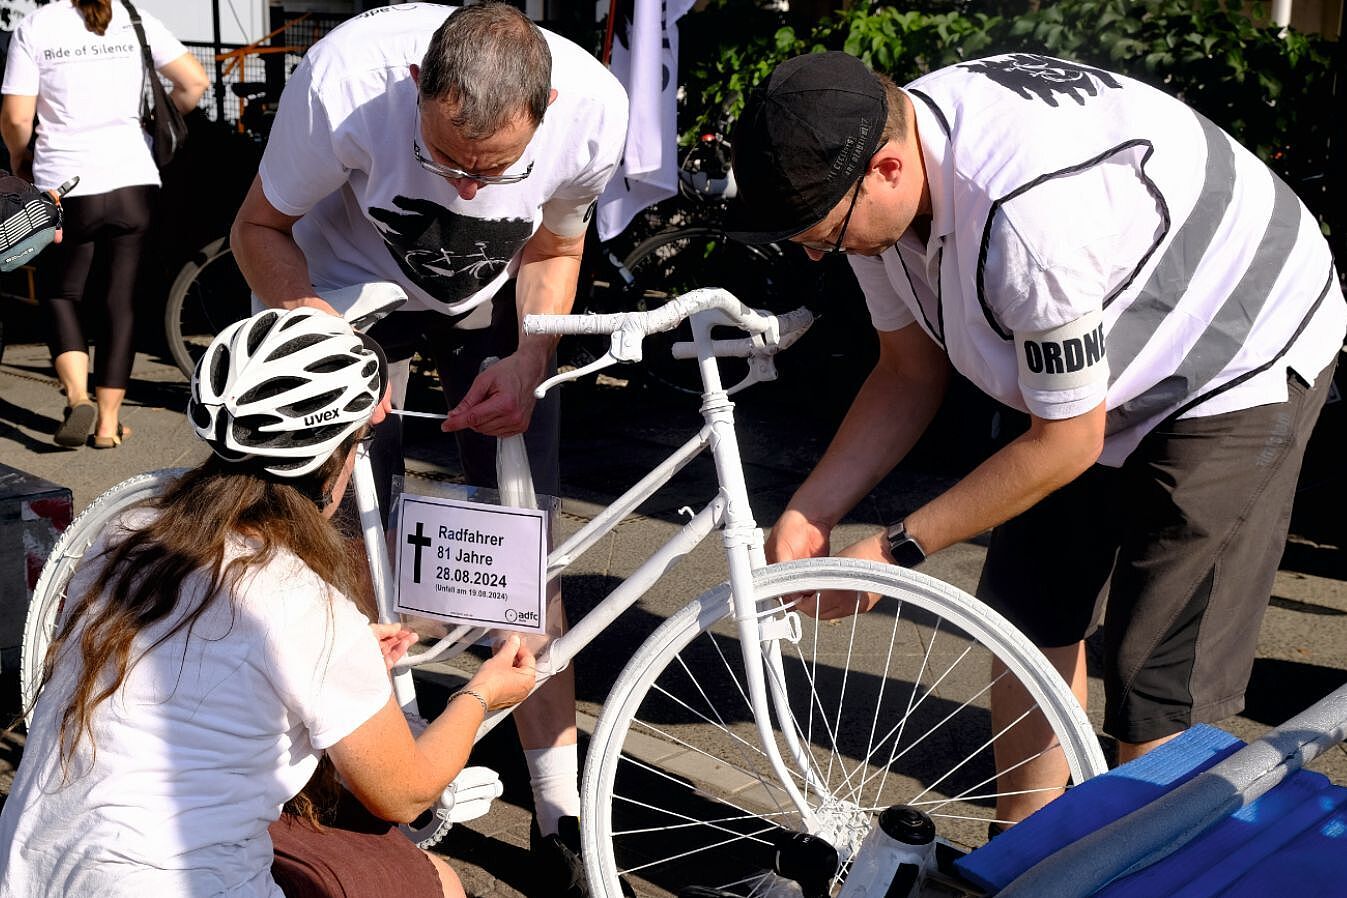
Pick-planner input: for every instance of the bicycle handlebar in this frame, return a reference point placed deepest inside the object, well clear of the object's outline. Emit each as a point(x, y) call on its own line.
point(770, 333)
point(665, 318)
point(792, 327)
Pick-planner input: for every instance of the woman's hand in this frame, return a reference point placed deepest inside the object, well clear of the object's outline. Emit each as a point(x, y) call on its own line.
point(394, 640)
point(507, 677)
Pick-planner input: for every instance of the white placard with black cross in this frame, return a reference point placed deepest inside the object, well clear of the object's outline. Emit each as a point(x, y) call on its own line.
point(468, 563)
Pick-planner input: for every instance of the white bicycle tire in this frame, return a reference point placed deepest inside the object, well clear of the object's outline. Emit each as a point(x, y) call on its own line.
point(39, 625)
point(665, 647)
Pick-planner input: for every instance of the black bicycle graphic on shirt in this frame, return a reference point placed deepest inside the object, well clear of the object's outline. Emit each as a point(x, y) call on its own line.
point(443, 262)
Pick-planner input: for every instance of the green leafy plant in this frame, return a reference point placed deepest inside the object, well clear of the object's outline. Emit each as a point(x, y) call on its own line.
point(1269, 88)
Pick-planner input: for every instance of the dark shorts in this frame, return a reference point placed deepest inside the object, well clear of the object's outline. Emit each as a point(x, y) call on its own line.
point(458, 356)
point(359, 856)
point(1184, 541)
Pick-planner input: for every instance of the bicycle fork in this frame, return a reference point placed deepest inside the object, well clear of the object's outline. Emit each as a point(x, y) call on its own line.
point(380, 567)
point(743, 544)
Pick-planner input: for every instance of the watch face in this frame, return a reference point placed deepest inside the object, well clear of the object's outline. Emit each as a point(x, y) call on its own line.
point(907, 553)
point(904, 550)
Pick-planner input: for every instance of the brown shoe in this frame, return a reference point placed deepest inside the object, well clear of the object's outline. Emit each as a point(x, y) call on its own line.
point(112, 442)
point(79, 420)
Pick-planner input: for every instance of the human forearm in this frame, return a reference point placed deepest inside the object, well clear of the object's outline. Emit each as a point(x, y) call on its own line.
point(188, 79)
point(889, 414)
point(1011, 481)
point(885, 420)
point(549, 272)
point(16, 128)
point(397, 777)
point(268, 256)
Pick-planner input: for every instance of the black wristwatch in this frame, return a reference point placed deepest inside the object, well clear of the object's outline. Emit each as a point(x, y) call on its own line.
point(903, 549)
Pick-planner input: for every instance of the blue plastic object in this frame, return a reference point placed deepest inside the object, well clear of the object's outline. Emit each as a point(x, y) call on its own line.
point(1290, 841)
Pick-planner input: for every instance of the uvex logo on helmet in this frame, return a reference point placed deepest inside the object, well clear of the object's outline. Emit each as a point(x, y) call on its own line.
point(311, 420)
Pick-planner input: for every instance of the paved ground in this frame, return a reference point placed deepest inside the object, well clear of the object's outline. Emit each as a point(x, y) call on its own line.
point(613, 432)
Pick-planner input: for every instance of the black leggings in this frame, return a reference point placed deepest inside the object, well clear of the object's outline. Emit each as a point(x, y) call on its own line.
point(106, 230)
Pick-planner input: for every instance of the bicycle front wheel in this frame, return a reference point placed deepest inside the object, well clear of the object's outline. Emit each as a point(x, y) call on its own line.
point(208, 295)
point(49, 595)
point(878, 709)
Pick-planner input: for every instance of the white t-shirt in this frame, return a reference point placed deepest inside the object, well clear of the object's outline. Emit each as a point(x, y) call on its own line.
point(198, 750)
point(340, 155)
point(88, 90)
point(1095, 240)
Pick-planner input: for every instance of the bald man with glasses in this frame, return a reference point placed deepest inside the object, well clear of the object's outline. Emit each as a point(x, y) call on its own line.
point(450, 151)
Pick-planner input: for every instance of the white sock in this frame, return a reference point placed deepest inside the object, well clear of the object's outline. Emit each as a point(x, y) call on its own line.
point(555, 775)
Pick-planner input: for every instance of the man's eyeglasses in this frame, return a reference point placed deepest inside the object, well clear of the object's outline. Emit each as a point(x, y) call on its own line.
point(448, 171)
point(836, 247)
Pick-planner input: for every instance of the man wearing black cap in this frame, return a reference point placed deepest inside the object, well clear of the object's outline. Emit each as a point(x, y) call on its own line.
point(1090, 251)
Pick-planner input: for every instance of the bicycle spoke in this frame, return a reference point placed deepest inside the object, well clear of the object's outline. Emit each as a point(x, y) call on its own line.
point(975, 753)
point(931, 691)
point(907, 715)
point(738, 837)
point(725, 728)
point(698, 821)
point(700, 751)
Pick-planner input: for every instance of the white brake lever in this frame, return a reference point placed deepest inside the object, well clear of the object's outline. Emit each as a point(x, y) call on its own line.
point(623, 346)
point(598, 364)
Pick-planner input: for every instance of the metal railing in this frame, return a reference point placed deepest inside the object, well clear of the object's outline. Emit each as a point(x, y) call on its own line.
point(268, 61)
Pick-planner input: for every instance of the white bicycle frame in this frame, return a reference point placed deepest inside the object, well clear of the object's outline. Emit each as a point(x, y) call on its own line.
point(729, 511)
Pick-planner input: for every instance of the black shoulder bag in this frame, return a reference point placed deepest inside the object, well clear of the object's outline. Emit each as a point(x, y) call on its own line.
point(158, 115)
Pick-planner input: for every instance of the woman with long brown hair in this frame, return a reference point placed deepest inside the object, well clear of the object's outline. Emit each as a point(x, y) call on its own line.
point(78, 68)
point(211, 654)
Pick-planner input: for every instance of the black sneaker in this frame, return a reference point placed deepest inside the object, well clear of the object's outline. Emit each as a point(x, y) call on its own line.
point(559, 871)
point(557, 868)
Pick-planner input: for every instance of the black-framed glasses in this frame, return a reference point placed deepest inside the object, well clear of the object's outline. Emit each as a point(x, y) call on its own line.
point(448, 171)
point(836, 247)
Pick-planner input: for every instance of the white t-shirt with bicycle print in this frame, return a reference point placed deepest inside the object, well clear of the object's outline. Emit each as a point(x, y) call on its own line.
point(88, 90)
point(340, 155)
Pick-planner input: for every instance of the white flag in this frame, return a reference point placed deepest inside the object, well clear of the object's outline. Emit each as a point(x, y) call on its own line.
point(647, 65)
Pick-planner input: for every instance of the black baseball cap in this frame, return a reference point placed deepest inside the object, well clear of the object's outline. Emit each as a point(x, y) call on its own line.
point(806, 135)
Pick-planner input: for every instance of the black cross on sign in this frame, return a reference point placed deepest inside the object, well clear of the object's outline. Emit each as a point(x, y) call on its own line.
point(420, 541)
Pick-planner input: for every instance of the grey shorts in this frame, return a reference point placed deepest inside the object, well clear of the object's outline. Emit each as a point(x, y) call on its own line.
point(1175, 554)
point(458, 356)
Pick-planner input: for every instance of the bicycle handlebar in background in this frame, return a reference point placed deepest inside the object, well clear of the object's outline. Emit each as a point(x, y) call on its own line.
point(627, 330)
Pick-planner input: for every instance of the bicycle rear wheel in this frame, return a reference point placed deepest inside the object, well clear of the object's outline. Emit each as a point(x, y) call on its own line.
point(44, 610)
point(886, 708)
point(208, 295)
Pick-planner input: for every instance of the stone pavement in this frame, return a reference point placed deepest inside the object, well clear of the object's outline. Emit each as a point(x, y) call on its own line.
point(613, 433)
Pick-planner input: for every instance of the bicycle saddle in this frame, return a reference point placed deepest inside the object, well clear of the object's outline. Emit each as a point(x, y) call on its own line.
point(364, 304)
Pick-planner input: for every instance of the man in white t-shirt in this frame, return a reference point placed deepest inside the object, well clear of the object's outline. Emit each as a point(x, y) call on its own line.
point(447, 151)
point(1094, 253)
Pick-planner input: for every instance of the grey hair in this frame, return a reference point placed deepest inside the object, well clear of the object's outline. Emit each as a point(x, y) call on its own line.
point(492, 63)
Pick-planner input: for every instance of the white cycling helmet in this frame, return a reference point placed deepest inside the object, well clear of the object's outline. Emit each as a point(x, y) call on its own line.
point(284, 388)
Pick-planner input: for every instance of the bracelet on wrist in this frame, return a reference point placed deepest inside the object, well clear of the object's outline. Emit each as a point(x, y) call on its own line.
point(475, 694)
